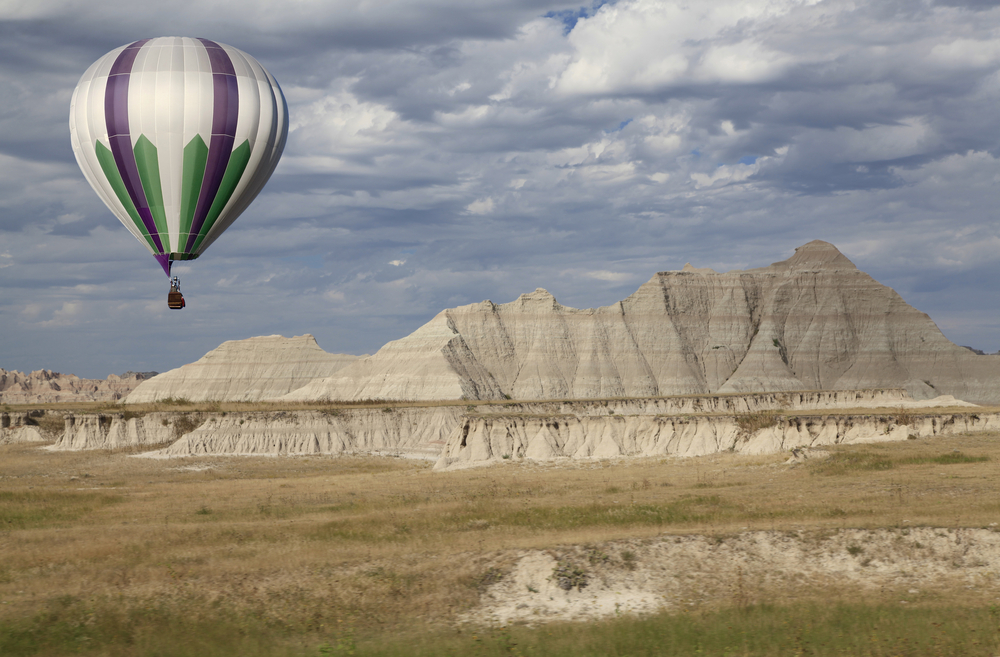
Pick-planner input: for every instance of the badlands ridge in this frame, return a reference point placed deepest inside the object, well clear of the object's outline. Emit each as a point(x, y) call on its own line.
point(47, 387)
point(695, 362)
point(812, 322)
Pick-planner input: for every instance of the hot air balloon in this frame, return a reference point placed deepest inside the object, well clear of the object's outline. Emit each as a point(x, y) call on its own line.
point(177, 136)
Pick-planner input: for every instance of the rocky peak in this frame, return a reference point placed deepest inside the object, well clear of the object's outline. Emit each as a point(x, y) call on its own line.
point(539, 298)
point(817, 255)
point(691, 269)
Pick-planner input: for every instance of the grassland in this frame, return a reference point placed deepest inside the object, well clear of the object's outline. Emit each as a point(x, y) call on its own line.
point(103, 554)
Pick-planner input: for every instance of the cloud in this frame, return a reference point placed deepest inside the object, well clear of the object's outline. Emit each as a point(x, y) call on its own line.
point(445, 152)
point(611, 276)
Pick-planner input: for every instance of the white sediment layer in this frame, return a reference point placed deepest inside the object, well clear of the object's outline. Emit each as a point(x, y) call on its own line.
point(482, 434)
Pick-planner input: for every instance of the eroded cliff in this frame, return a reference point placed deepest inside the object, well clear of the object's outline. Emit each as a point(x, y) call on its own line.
point(812, 322)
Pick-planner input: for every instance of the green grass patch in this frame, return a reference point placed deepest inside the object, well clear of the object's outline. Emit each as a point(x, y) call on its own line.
point(189, 627)
point(806, 629)
point(686, 510)
point(482, 515)
point(951, 458)
point(34, 509)
point(71, 626)
point(842, 463)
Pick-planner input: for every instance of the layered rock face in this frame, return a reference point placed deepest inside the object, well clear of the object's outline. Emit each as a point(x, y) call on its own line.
point(245, 371)
point(114, 431)
point(46, 386)
point(414, 433)
point(481, 440)
point(812, 322)
point(462, 435)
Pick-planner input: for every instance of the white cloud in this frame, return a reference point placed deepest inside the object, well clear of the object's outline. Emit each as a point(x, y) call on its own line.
point(611, 276)
point(480, 206)
point(644, 45)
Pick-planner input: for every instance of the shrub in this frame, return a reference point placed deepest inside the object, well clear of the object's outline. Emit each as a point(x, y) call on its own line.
point(753, 422)
point(569, 576)
point(184, 424)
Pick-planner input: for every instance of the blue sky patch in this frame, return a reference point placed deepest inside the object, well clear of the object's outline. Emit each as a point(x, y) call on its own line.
point(569, 17)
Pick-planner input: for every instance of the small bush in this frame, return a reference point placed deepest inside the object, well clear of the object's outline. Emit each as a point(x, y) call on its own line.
point(854, 550)
point(487, 578)
point(183, 425)
point(569, 576)
point(596, 556)
point(753, 422)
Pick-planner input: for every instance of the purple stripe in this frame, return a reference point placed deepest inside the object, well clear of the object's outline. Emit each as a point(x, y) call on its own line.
point(116, 119)
point(224, 115)
point(164, 260)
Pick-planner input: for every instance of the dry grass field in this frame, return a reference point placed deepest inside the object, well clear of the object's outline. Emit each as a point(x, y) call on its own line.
point(105, 554)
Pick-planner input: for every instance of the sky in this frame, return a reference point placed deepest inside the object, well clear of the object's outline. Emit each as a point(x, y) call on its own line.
point(443, 152)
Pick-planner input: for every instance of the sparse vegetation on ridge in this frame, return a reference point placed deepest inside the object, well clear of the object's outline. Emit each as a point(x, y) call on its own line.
point(753, 422)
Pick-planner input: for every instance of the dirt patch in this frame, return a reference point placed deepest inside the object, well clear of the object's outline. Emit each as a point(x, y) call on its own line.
point(679, 572)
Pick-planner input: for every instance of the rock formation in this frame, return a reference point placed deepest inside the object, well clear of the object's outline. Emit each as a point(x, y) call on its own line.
point(409, 432)
point(46, 386)
point(466, 435)
point(490, 439)
point(19, 428)
point(812, 322)
point(245, 371)
point(118, 430)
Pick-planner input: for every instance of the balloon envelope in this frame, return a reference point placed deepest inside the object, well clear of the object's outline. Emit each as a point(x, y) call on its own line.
point(177, 136)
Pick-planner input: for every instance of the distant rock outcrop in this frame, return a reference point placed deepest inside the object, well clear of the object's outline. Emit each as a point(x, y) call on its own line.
point(46, 386)
point(812, 322)
point(19, 428)
point(245, 371)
